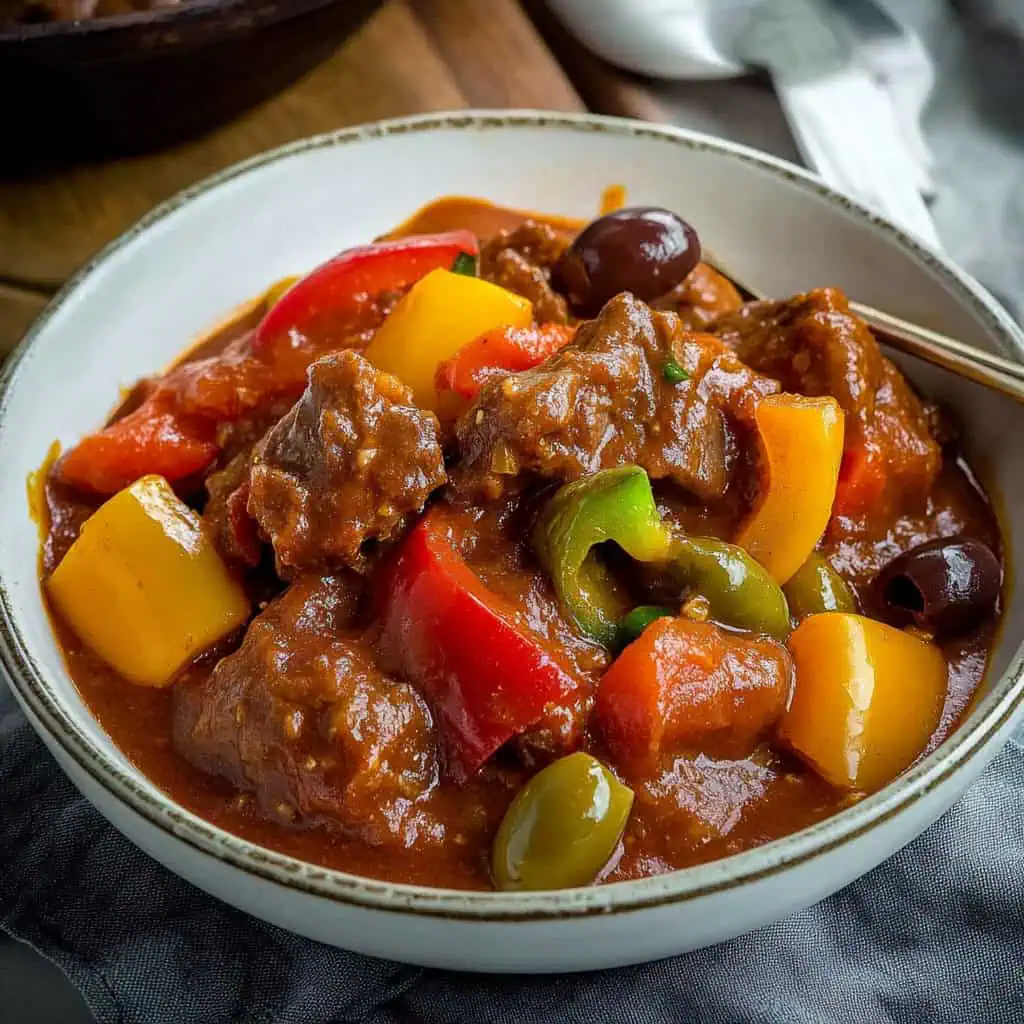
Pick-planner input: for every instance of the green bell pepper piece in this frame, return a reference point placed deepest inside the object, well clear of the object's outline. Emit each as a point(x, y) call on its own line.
point(740, 591)
point(633, 624)
point(611, 505)
point(618, 505)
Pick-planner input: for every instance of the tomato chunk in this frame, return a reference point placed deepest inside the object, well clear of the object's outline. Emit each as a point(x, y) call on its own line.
point(154, 439)
point(684, 683)
point(862, 481)
point(506, 349)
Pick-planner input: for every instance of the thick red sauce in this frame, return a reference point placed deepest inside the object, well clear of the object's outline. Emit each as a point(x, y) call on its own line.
point(721, 806)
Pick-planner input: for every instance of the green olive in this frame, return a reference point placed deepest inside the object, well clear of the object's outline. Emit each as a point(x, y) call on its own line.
point(562, 826)
point(740, 591)
point(817, 587)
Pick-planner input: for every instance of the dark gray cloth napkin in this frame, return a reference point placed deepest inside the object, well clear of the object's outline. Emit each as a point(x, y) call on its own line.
point(934, 935)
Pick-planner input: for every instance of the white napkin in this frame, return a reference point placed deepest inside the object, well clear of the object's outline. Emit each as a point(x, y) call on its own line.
point(851, 82)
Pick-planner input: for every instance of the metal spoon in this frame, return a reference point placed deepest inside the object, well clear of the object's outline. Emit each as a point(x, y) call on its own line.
point(975, 364)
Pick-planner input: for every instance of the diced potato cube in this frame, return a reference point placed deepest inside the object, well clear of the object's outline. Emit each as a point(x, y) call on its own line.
point(867, 698)
point(144, 586)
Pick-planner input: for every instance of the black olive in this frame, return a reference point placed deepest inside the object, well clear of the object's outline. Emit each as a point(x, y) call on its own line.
point(945, 586)
point(644, 250)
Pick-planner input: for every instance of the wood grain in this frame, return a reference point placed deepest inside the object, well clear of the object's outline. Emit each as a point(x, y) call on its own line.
point(412, 56)
point(51, 225)
point(18, 308)
point(496, 54)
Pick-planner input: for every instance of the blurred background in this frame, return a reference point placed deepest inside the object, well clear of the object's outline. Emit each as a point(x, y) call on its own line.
point(110, 106)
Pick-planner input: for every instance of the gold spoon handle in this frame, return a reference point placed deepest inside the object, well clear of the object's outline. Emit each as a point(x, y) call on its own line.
point(983, 367)
point(996, 372)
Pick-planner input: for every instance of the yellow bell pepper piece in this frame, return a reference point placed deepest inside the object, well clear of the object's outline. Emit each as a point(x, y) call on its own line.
point(434, 319)
point(144, 586)
point(867, 698)
point(802, 445)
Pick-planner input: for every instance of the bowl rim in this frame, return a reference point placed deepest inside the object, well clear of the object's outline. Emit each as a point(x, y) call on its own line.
point(993, 713)
point(157, 17)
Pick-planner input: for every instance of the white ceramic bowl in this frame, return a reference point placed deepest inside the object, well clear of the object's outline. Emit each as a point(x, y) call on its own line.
point(137, 304)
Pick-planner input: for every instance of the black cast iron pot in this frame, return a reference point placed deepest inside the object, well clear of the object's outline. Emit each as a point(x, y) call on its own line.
point(134, 82)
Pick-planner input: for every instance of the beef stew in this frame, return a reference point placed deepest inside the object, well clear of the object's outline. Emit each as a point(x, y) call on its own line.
point(513, 578)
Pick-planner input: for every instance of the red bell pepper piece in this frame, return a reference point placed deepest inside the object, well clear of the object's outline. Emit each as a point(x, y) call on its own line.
point(485, 679)
point(681, 682)
point(173, 432)
point(154, 438)
point(505, 349)
point(339, 288)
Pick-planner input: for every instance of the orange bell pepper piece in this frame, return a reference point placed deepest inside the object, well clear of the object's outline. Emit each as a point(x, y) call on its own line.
point(802, 445)
point(867, 698)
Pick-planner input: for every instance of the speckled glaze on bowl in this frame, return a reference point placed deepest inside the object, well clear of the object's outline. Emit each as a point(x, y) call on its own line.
point(134, 307)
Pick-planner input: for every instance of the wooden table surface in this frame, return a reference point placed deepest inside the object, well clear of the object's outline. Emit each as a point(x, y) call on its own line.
point(412, 56)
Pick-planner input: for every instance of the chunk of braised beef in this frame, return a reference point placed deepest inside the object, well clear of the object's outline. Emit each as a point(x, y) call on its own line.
point(349, 463)
point(520, 259)
point(301, 718)
point(559, 732)
point(701, 297)
point(240, 437)
point(815, 345)
point(226, 515)
point(605, 400)
point(698, 799)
